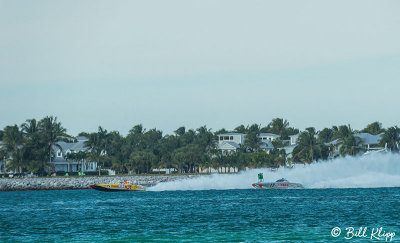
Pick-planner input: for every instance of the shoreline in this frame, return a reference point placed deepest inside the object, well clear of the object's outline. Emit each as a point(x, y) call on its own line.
point(79, 183)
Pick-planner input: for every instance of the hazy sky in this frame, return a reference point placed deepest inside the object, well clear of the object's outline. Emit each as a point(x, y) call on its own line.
point(217, 63)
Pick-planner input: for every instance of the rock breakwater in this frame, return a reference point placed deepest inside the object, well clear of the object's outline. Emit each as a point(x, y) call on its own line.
point(74, 183)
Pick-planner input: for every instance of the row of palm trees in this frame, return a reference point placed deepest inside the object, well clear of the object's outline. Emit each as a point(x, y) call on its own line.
point(28, 148)
point(312, 145)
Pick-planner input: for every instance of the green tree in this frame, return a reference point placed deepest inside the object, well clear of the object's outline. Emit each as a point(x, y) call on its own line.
point(279, 126)
point(325, 135)
point(98, 144)
point(349, 145)
point(307, 149)
point(142, 161)
point(391, 138)
point(252, 141)
point(35, 148)
point(188, 158)
point(12, 138)
point(241, 129)
point(204, 138)
point(180, 131)
point(374, 128)
point(51, 132)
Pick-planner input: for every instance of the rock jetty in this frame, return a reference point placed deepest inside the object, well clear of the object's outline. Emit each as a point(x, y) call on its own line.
point(74, 183)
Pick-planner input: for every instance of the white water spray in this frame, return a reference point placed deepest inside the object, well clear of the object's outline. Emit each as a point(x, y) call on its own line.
point(370, 171)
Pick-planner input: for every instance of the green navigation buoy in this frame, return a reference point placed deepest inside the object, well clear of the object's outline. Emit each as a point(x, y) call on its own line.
point(260, 177)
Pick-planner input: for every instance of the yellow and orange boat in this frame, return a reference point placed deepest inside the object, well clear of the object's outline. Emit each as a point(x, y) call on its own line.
point(123, 186)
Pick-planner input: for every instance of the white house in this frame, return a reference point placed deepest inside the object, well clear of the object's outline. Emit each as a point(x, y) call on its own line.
point(232, 137)
point(266, 146)
point(266, 141)
point(368, 140)
point(230, 142)
point(268, 137)
point(293, 139)
point(61, 163)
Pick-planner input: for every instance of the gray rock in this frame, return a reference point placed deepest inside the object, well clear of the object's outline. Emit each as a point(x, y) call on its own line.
point(67, 183)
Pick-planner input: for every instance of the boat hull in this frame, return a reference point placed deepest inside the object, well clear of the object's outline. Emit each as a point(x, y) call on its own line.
point(117, 187)
point(277, 185)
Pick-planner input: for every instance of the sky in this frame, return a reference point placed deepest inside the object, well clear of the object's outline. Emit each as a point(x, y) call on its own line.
point(166, 64)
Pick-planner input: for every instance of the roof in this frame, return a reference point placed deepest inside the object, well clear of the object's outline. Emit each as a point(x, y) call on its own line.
point(266, 145)
point(82, 138)
point(75, 147)
point(230, 133)
point(229, 143)
point(368, 138)
point(334, 142)
point(268, 135)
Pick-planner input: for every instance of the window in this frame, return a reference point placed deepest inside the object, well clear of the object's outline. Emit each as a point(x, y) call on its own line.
point(231, 138)
point(226, 138)
point(59, 153)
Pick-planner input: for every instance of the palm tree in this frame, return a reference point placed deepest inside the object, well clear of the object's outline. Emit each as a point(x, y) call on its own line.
point(374, 128)
point(204, 138)
point(98, 144)
point(241, 129)
point(349, 145)
point(30, 127)
point(252, 141)
point(307, 149)
point(16, 162)
point(142, 161)
point(12, 138)
point(308, 141)
point(391, 138)
point(52, 132)
point(279, 126)
point(13, 141)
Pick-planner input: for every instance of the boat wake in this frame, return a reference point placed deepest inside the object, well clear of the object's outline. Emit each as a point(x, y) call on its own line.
point(370, 171)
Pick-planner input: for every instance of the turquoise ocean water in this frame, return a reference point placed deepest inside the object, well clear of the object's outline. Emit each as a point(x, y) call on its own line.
point(199, 216)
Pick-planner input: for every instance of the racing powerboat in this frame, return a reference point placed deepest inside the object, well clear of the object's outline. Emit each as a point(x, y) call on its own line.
point(279, 184)
point(122, 186)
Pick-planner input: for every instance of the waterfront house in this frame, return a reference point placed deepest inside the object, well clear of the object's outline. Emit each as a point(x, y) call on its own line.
point(268, 137)
point(266, 146)
point(63, 163)
point(230, 142)
point(366, 141)
point(369, 141)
